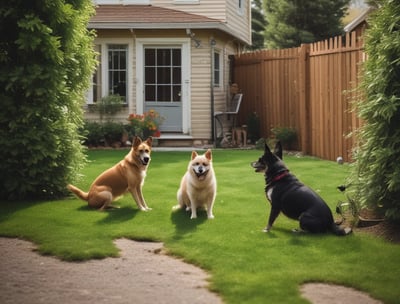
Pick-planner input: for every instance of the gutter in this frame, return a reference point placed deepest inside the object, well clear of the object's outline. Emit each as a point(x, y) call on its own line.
point(164, 26)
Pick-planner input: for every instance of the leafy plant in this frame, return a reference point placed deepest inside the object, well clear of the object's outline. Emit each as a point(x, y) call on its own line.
point(108, 105)
point(113, 132)
point(287, 136)
point(46, 62)
point(146, 124)
point(376, 172)
point(253, 127)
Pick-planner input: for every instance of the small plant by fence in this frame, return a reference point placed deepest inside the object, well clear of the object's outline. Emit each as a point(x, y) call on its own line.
point(309, 89)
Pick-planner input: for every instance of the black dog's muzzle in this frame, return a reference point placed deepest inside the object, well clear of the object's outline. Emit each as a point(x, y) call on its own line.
point(259, 166)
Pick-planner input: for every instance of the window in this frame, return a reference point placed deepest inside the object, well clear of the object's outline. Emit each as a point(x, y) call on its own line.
point(240, 7)
point(117, 70)
point(217, 69)
point(111, 75)
point(162, 74)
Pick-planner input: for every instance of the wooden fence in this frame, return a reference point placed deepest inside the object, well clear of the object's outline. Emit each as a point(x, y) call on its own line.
point(309, 88)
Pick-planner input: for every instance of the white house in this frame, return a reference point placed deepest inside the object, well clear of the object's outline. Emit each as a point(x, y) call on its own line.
point(173, 56)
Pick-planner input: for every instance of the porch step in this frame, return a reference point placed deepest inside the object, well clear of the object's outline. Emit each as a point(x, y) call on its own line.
point(175, 140)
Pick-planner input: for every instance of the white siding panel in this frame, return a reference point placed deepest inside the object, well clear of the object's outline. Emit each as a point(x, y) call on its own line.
point(210, 8)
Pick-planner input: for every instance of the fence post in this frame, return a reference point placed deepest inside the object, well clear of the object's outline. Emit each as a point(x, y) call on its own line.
point(304, 100)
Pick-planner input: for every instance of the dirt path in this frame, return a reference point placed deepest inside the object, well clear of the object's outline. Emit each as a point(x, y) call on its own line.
point(141, 275)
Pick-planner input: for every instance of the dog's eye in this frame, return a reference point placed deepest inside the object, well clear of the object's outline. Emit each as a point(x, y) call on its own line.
point(197, 164)
point(205, 164)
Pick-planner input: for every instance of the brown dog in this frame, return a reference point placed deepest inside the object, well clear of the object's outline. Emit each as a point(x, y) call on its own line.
point(127, 175)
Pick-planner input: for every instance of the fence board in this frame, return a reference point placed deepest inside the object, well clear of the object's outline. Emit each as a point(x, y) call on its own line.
point(308, 88)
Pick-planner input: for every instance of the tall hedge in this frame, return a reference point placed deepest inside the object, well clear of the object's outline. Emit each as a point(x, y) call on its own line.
point(46, 59)
point(377, 166)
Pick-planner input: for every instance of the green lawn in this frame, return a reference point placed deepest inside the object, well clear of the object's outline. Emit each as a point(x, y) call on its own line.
point(246, 265)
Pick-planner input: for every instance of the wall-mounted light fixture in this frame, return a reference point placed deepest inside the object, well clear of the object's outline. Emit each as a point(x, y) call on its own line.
point(197, 42)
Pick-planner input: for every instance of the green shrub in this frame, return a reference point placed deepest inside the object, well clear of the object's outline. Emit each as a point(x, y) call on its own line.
point(46, 62)
point(253, 127)
point(377, 168)
point(287, 136)
point(108, 105)
point(113, 132)
point(93, 133)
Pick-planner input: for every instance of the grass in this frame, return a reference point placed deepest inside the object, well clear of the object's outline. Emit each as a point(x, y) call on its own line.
point(246, 265)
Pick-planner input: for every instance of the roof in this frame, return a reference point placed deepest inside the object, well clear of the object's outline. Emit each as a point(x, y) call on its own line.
point(148, 17)
point(358, 20)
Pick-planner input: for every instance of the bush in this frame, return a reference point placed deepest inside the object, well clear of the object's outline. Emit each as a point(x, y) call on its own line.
point(113, 132)
point(376, 171)
point(93, 133)
point(287, 136)
point(103, 134)
point(46, 63)
point(108, 105)
point(253, 127)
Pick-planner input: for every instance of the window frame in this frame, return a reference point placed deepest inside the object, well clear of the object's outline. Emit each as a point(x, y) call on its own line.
point(103, 65)
point(217, 69)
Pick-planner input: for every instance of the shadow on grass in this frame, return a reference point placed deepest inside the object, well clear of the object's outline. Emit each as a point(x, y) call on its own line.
point(114, 215)
point(183, 224)
point(7, 208)
point(119, 215)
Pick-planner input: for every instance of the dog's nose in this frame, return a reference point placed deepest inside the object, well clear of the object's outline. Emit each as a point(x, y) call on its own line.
point(200, 169)
point(146, 159)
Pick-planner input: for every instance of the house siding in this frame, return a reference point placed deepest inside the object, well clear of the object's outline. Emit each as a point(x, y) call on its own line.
point(226, 11)
point(215, 9)
point(200, 103)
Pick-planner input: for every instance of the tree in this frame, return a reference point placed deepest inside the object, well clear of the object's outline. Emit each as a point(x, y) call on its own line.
point(46, 59)
point(258, 24)
point(376, 174)
point(293, 22)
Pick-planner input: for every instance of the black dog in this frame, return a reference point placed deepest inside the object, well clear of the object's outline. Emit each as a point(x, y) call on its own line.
point(287, 194)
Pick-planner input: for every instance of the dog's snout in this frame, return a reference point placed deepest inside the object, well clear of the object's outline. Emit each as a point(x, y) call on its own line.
point(200, 169)
point(146, 159)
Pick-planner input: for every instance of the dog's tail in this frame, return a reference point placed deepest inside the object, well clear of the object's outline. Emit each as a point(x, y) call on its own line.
point(336, 229)
point(78, 192)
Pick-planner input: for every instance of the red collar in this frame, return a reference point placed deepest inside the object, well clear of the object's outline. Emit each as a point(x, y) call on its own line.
point(280, 176)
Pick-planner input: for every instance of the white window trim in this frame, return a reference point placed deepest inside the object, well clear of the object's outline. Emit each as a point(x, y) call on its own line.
point(104, 42)
point(221, 69)
point(184, 43)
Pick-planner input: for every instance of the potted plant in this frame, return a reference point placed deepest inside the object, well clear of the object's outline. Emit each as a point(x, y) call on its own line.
point(146, 124)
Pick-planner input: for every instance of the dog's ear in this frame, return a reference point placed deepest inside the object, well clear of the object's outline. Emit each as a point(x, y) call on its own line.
point(278, 150)
point(267, 150)
point(208, 155)
point(149, 140)
point(194, 155)
point(136, 142)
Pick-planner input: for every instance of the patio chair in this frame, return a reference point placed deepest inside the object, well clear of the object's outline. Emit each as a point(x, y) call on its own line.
point(231, 112)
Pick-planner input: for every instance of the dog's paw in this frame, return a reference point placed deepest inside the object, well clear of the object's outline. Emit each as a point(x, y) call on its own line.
point(210, 217)
point(266, 229)
point(193, 216)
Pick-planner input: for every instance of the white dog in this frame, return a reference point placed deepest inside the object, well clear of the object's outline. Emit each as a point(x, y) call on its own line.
point(198, 186)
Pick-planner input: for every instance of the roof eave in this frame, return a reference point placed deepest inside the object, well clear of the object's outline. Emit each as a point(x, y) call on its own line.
point(158, 26)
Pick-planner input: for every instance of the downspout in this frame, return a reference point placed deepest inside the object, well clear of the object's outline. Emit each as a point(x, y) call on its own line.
point(212, 44)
